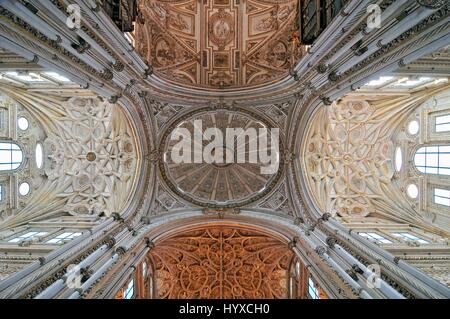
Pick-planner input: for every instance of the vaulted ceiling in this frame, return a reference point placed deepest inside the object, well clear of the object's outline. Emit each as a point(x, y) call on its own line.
point(218, 43)
point(222, 262)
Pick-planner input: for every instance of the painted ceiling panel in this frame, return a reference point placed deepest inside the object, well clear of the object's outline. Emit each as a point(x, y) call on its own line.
point(218, 43)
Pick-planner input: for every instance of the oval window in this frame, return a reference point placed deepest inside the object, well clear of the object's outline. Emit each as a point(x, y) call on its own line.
point(413, 127)
point(24, 189)
point(398, 159)
point(412, 191)
point(39, 155)
point(22, 123)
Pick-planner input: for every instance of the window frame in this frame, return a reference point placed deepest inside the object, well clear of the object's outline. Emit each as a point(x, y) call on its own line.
point(21, 149)
point(21, 236)
point(425, 166)
point(62, 241)
point(442, 188)
point(311, 285)
point(441, 124)
point(409, 236)
point(374, 239)
point(129, 288)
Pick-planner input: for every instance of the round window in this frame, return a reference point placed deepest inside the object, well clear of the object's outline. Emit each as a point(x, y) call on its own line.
point(24, 189)
point(413, 127)
point(412, 191)
point(22, 123)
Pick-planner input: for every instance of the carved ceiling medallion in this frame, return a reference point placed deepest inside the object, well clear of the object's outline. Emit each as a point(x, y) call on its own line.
point(219, 184)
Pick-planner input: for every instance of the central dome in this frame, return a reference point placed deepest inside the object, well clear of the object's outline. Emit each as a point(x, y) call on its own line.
point(235, 173)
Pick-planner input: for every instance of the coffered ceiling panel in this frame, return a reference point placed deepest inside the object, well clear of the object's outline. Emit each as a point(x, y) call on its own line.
point(218, 43)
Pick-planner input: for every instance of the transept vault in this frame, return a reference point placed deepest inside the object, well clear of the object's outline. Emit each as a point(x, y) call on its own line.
point(351, 201)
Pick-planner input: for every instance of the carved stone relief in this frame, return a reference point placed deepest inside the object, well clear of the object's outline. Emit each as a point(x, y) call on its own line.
point(89, 160)
point(221, 262)
point(349, 160)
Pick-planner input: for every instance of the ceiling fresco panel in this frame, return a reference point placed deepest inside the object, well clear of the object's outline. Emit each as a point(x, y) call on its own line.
point(197, 44)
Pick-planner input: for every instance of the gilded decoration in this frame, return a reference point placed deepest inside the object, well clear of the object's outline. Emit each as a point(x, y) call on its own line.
point(197, 43)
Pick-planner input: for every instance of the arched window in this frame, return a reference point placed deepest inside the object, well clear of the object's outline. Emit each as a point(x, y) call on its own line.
point(313, 292)
point(129, 291)
point(433, 159)
point(10, 156)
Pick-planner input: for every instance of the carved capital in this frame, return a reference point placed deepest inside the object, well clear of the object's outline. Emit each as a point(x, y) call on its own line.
point(121, 250)
point(294, 74)
point(145, 220)
point(116, 216)
point(149, 243)
point(115, 98)
point(356, 269)
point(107, 74)
point(325, 217)
point(110, 242)
point(143, 94)
point(293, 242)
point(118, 66)
point(98, 6)
point(320, 250)
point(322, 68)
point(333, 77)
point(401, 63)
point(82, 46)
point(331, 241)
point(326, 100)
point(148, 72)
point(298, 95)
point(352, 274)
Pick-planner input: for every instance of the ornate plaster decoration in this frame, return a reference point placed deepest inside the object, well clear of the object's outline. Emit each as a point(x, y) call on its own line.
point(165, 201)
point(89, 155)
point(279, 201)
point(27, 140)
point(219, 44)
point(349, 160)
point(100, 161)
point(221, 262)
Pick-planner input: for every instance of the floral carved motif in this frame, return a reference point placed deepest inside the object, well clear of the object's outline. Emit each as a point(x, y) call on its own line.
point(221, 262)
